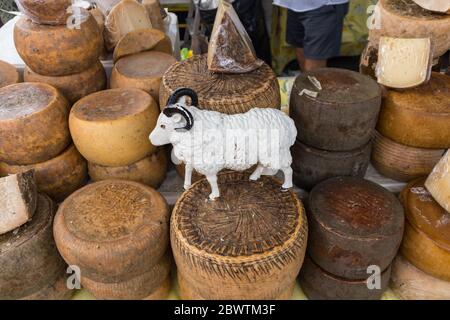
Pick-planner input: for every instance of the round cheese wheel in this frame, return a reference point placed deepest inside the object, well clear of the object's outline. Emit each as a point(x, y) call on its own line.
point(400, 162)
point(33, 123)
point(51, 12)
point(162, 291)
point(150, 171)
point(426, 243)
point(8, 74)
point(247, 244)
point(57, 177)
point(75, 86)
point(29, 259)
point(141, 70)
point(58, 50)
point(409, 283)
point(226, 93)
point(111, 127)
point(119, 245)
point(438, 182)
point(57, 290)
point(354, 223)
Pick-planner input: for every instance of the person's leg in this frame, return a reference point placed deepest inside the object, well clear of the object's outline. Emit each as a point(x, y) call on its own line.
point(300, 54)
point(295, 34)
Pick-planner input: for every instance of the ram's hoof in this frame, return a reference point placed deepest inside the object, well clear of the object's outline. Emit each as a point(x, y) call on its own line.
point(186, 186)
point(283, 189)
point(213, 197)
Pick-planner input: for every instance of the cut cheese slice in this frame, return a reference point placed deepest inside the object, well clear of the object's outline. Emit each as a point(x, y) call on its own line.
point(8, 74)
point(154, 10)
point(435, 5)
point(403, 63)
point(51, 12)
point(18, 194)
point(438, 182)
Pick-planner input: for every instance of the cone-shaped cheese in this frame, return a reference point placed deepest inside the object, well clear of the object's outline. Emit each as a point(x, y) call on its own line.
point(8, 74)
point(435, 5)
point(438, 182)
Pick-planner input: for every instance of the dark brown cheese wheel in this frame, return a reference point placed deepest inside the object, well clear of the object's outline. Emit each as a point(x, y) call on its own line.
point(150, 171)
point(426, 243)
point(8, 74)
point(138, 287)
point(162, 291)
point(344, 113)
point(75, 86)
point(33, 123)
point(418, 117)
point(29, 259)
point(400, 162)
point(142, 70)
point(354, 223)
point(58, 50)
point(226, 93)
point(57, 177)
point(318, 284)
point(247, 244)
point(114, 230)
point(57, 290)
point(51, 12)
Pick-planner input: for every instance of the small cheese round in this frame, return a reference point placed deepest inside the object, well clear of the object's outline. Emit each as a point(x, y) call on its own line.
point(57, 290)
point(8, 74)
point(438, 182)
point(51, 12)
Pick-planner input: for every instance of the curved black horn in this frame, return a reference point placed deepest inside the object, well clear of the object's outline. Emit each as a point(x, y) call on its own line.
point(180, 92)
point(170, 111)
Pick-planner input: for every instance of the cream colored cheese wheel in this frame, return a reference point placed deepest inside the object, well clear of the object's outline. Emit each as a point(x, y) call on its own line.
point(8, 74)
point(438, 182)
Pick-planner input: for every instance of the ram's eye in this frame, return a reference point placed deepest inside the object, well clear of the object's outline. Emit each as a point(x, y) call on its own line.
point(163, 126)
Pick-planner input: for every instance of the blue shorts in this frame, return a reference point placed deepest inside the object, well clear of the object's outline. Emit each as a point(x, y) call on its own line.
point(318, 31)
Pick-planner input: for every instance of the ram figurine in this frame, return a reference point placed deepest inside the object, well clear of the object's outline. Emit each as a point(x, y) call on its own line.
point(210, 141)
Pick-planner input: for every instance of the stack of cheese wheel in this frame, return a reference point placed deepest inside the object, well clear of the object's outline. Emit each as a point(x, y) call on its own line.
point(110, 128)
point(247, 244)
point(413, 129)
point(59, 51)
point(35, 135)
point(356, 228)
point(117, 233)
point(8, 74)
point(335, 112)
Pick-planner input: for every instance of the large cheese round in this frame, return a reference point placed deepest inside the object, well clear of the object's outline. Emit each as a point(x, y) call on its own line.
point(114, 230)
point(438, 182)
point(426, 243)
point(58, 50)
point(52, 12)
point(418, 117)
point(57, 290)
point(151, 170)
point(8, 74)
point(33, 123)
point(57, 177)
point(111, 127)
point(247, 244)
point(29, 259)
point(74, 86)
point(142, 70)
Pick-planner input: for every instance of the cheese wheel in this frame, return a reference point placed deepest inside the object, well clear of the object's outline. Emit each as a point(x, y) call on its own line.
point(142, 40)
point(254, 252)
point(354, 223)
point(29, 259)
point(33, 123)
point(119, 245)
point(400, 162)
point(57, 177)
point(162, 291)
point(405, 19)
point(409, 283)
point(138, 287)
point(111, 127)
point(155, 13)
point(51, 12)
point(142, 70)
point(8, 74)
point(75, 86)
point(438, 182)
point(57, 290)
point(418, 117)
point(426, 243)
point(151, 170)
point(58, 50)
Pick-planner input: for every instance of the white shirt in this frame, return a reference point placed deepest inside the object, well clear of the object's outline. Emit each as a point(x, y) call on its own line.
point(306, 5)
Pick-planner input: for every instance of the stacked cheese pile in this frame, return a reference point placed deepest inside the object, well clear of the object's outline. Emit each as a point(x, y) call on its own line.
point(59, 49)
point(356, 228)
point(111, 129)
point(35, 135)
point(335, 112)
point(8, 74)
point(117, 233)
point(247, 244)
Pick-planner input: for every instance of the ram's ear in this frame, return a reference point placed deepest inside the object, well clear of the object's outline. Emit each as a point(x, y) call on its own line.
point(176, 117)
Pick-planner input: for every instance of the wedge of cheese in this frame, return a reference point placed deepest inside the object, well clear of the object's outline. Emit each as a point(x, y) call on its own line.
point(435, 5)
point(438, 182)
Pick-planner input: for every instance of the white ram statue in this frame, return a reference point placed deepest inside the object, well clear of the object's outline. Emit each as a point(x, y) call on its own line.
point(209, 141)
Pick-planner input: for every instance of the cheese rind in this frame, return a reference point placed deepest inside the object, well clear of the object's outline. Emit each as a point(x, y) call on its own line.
point(438, 182)
point(57, 290)
point(162, 291)
point(51, 12)
point(8, 74)
point(154, 11)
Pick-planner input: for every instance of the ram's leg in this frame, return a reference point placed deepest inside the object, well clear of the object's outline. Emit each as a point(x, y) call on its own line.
point(287, 171)
point(187, 176)
point(212, 179)
point(257, 173)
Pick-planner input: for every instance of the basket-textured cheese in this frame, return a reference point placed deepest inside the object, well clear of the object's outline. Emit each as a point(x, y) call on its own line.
point(247, 244)
point(8, 74)
point(58, 50)
point(33, 123)
point(162, 291)
point(150, 170)
point(29, 259)
point(111, 127)
point(438, 182)
point(114, 230)
point(57, 177)
point(74, 86)
point(51, 12)
point(418, 117)
point(426, 242)
point(57, 290)
point(142, 70)
point(435, 5)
